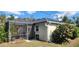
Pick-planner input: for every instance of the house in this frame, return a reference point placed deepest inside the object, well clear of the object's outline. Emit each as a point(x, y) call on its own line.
point(44, 29)
point(40, 30)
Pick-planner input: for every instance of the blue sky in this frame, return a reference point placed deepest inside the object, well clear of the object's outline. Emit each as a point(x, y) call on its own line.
point(40, 14)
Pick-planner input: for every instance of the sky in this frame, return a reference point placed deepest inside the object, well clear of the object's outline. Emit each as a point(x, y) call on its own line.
point(40, 14)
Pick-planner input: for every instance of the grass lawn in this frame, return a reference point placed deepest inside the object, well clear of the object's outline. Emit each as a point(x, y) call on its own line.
point(35, 43)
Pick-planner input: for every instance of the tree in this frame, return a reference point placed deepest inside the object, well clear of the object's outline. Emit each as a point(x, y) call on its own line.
point(3, 19)
point(11, 17)
point(77, 21)
point(63, 33)
point(65, 19)
point(3, 33)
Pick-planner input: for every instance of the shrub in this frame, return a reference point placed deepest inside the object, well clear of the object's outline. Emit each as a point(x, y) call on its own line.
point(3, 34)
point(63, 33)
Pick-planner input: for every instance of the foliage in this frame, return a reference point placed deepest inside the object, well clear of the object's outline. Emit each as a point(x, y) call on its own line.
point(13, 29)
point(2, 19)
point(77, 21)
point(77, 29)
point(11, 17)
point(3, 33)
point(63, 33)
point(66, 20)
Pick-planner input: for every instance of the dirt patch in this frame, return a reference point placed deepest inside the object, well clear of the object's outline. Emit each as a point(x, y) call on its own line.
point(35, 43)
point(74, 42)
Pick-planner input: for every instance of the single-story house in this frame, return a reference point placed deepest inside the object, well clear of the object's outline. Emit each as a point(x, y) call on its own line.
point(40, 30)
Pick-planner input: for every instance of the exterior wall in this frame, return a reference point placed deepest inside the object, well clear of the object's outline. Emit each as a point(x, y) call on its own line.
point(50, 29)
point(42, 31)
point(45, 31)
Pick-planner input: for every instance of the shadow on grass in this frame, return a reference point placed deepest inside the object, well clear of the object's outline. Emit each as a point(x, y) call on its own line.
point(60, 41)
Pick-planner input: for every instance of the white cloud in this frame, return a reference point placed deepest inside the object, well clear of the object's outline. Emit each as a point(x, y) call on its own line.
point(15, 12)
point(16, 16)
point(7, 16)
point(70, 13)
point(10, 16)
point(60, 19)
point(31, 12)
point(67, 13)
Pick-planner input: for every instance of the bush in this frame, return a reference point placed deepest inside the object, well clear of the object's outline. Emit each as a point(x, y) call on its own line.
point(77, 29)
point(63, 33)
point(3, 34)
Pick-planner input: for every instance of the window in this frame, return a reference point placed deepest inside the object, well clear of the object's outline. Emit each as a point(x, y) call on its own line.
point(37, 28)
point(37, 36)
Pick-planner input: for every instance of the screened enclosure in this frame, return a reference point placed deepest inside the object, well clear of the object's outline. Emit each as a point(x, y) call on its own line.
point(19, 30)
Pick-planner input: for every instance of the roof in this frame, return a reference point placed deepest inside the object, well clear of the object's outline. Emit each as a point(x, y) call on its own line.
point(48, 21)
point(20, 23)
point(55, 22)
point(36, 21)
